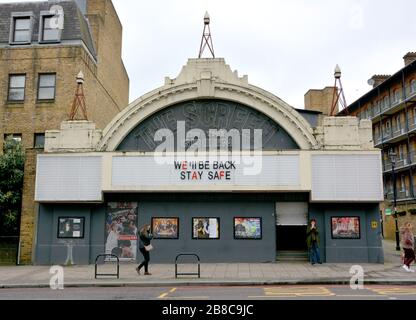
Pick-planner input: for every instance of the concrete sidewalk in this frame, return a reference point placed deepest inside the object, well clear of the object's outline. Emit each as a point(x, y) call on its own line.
point(214, 274)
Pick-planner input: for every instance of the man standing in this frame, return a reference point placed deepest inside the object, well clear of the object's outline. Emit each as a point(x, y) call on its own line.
point(312, 240)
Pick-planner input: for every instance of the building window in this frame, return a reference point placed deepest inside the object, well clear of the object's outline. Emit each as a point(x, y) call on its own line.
point(386, 102)
point(403, 183)
point(376, 109)
point(368, 113)
point(389, 187)
point(396, 96)
point(401, 152)
point(46, 86)
point(387, 126)
point(17, 84)
point(15, 136)
point(39, 140)
point(49, 30)
point(398, 124)
point(383, 105)
point(413, 86)
point(21, 30)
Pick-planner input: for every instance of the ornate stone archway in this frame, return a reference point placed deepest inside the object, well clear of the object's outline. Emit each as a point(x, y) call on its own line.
point(208, 79)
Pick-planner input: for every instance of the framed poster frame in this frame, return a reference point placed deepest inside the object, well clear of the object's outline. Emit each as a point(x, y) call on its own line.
point(82, 223)
point(345, 238)
point(248, 238)
point(166, 238)
point(206, 218)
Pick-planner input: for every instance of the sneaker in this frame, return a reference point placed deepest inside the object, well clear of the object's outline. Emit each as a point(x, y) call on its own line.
point(147, 274)
point(411, 270)
point(406, 268)
point(138, 270)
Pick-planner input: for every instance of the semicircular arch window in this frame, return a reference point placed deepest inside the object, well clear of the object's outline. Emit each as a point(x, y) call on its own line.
point(225, 121)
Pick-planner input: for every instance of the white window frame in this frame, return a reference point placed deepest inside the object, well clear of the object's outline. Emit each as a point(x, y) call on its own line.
point(43, 15)
point(21, 15)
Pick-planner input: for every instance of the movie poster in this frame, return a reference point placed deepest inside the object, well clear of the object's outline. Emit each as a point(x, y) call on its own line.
point(121, 230)
point(345, 227)
point(165, 228)
point(71, 228)
point(247, 228)
point(206, 228)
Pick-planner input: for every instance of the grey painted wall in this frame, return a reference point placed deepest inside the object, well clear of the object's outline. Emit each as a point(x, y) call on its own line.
point(51, 250)
point(367, 249)
point(225, 249)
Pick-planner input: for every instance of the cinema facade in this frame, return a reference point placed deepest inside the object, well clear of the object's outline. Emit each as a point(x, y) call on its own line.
point(94, 189)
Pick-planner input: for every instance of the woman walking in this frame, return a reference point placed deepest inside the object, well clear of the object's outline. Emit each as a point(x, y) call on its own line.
point(145, 247)
point(408, 242)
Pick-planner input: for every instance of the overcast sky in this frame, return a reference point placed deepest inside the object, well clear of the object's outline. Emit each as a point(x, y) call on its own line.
point(285, 47)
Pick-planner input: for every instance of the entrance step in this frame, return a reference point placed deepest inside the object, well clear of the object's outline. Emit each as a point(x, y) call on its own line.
point(289, 256)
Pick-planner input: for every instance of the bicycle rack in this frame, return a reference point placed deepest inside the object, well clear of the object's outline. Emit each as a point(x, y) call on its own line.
point(107, 274)
point(188, 274)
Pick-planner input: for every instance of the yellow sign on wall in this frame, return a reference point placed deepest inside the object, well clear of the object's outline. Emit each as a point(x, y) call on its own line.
point(374, 224)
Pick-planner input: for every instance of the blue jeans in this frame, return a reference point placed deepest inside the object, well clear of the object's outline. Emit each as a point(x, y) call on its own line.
point(315, 256)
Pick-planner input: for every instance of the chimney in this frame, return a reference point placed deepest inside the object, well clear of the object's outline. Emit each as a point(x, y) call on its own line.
point(378, 79)
point(320, 100)
point(409, 58)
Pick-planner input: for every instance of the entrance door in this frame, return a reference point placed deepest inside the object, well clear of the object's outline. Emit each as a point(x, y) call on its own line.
point(291, 224)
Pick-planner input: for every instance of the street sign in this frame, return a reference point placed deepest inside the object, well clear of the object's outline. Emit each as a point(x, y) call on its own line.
point(388, 212)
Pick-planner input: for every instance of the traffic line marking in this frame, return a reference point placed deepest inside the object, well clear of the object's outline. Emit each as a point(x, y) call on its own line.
point(394, 291)
point(298, 292)
point(269, 297)
point(165, 294)
point(188, 298)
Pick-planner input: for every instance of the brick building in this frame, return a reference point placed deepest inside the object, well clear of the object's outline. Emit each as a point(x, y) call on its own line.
point(391, 105)
point(43, 46)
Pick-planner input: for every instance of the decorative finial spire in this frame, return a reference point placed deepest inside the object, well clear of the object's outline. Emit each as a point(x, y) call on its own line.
point(338, 97)
point(79, 99)
point(206, 40)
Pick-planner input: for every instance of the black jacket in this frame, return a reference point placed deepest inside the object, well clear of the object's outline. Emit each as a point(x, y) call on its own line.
point(144, 240)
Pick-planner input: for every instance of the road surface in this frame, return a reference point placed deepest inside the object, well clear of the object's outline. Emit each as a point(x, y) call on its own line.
point(315, 292)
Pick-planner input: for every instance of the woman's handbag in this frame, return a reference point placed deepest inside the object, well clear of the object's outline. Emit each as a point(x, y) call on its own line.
point(148, 248)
